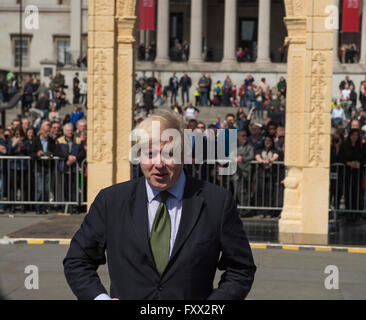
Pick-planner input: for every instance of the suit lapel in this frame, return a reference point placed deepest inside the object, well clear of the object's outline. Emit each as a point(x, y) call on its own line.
point(191, 210)
point(138, 210)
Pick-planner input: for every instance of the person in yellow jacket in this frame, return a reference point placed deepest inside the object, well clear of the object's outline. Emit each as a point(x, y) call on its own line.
point(218, 93)
point(197, 95)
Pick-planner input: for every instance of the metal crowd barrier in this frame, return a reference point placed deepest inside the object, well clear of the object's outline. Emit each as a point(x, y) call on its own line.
point(48, 181)
point(262, 188)
point(347, 190)
point(44, 181)
point(259, 188)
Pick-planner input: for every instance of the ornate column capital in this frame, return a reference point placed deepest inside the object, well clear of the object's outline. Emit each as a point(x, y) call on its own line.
point(125, 29)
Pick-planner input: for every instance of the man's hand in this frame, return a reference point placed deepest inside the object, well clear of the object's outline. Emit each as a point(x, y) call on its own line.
point(40, 153)
point(2, 149)
point(239, 159)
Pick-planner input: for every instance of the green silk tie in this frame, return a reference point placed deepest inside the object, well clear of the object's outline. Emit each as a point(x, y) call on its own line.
point(160, 234)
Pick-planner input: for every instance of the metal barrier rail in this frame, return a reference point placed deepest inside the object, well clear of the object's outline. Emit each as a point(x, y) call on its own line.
point(257, 188)
point(347, 189)
point(263, 189)
point(48, 181)
point(42, 181)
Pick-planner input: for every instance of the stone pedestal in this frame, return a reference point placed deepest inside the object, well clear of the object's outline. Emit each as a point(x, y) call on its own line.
point(304, 218)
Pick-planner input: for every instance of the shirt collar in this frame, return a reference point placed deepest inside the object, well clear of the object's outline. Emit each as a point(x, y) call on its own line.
point(177, 190)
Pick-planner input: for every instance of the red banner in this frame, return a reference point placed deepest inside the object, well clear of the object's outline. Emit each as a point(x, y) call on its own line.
point(147, 15)
point(351, 16)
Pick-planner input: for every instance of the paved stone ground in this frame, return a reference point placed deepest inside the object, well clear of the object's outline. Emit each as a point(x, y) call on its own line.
point(281, 274)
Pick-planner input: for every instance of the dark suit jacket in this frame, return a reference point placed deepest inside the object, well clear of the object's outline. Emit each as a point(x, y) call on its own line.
point(118, 223)
point(37, 146)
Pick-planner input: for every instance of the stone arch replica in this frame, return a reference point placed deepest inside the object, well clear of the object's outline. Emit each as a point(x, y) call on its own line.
point(304, 218)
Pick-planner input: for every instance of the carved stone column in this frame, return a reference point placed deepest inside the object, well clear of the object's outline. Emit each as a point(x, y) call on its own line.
point(101, 96)
point(110, 92)
point(126, 21)
point(304, 218)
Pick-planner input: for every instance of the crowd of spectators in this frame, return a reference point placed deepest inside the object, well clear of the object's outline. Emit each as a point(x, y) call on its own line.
point(251, 95)
point(348, 148)
point(349, 53)
point(42, 134)
point(260, 121)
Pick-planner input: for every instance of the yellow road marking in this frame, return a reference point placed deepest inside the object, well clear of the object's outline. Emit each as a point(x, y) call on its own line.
point(357, 250)
point(258, 246)
point(323, 249)
point(35, 241)
point(290, 247)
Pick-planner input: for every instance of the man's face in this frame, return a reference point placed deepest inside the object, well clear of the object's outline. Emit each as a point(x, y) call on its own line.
point(45, 129)
point(271, 130)
point(56, 129)
point(254, 130)
point(230, 122)
point(201, 127)
point(68, 132)
point(25, 123)
point(16, 124)
point(160, 173)
point(355, 124)
point(242, 137)
point(82, 126)
point(192, 125)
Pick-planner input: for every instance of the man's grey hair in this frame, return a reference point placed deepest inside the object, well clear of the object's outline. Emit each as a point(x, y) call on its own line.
point(81, 121)
point(67, 125)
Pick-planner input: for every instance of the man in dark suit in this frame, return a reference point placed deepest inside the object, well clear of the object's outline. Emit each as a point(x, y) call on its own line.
point(165, 234)
point(68, 148)
point(43, 146)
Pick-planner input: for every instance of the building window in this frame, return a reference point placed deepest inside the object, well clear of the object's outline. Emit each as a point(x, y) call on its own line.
point(20, 47)
point(21, 52)
point(63, 51)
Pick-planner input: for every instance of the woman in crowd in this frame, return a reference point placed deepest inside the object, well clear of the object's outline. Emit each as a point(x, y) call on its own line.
point(352, 155)
point(266, 176)
point(18, 169)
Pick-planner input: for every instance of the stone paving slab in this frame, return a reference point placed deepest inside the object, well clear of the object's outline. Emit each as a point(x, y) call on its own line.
point(54, 227)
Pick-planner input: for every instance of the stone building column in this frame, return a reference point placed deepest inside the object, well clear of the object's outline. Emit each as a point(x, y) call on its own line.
point(75, 39)
point(363, 34)
point(230, 31)
point(304, 218)
point(336, 38)
point(162, 44)
point(264, 22)
point(196, 32)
